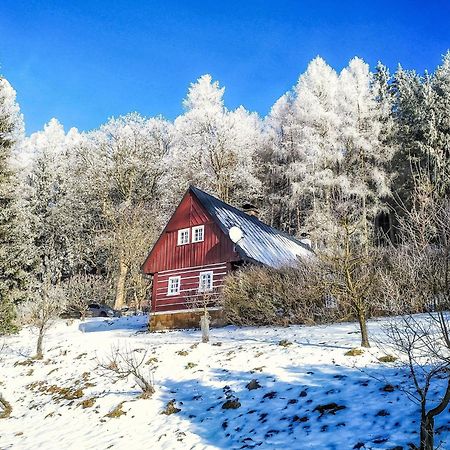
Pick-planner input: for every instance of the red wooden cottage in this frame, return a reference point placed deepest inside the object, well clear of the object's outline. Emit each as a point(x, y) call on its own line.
point(195, 252)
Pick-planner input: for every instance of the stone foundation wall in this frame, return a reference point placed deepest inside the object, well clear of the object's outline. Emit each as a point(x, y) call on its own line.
point(187, 319)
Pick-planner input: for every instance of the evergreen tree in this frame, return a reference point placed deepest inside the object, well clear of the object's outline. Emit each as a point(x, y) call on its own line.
point(363, 177)
point(318, 154)
point(277, 153)
point(13, 254)
point(217, 148)
point(440, 133)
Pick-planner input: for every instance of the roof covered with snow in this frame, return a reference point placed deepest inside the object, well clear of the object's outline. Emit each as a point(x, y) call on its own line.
point(260, 242)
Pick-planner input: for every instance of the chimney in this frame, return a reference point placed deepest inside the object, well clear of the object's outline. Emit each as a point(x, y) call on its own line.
point(250, 209)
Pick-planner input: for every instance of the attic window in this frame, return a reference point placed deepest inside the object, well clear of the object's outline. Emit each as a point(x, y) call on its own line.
point(183, 236)
point(173, 286)
point(198, 233)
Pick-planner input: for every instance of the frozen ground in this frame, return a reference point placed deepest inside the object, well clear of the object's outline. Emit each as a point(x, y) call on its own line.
point(284, 411)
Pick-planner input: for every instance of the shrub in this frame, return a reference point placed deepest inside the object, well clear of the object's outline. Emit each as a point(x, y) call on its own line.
point(289, 295)
point(82, 289)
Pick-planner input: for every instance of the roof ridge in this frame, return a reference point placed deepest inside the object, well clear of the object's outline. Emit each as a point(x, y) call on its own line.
point(248, 216)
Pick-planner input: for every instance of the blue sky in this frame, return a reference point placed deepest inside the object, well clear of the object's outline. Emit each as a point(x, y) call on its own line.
point(86, 60)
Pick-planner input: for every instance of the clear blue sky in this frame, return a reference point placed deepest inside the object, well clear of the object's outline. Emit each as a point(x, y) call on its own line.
point(83, 61)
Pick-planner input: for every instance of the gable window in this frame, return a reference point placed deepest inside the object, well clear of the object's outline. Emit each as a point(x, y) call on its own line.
point(173, 286)
point(183, 236)
point(198, 233)
point(205, 283)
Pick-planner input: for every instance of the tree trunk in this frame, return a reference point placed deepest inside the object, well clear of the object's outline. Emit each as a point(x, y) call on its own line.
point(365, 227)
point(39, 353)
point(120, 288)
point(204, 326)
point(363, 327)
point(5, 408)
point(426, 432)
point(427, 420)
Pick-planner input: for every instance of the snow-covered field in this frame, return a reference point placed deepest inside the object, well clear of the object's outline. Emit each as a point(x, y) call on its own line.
point(283, 410)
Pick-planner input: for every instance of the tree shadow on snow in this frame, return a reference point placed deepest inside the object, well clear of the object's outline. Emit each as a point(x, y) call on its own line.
point(315, 407)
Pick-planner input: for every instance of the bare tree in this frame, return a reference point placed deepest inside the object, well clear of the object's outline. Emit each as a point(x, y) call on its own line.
point(420, 341)
point(418, 277)
point(201, 301)
point(5, 406)
point(350, 268)
point(123, 363)
point(42, 310)
point(82, 289)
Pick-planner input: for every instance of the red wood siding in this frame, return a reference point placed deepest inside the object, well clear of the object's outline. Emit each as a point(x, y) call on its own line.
point(167, 258)
point(189, 282)
point(166, 254)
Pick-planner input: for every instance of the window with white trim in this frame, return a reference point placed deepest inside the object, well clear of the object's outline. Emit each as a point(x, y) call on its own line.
point(173, 285)
point(205, 282)
point(183, 236)
point(331, 302)
point(198, 233)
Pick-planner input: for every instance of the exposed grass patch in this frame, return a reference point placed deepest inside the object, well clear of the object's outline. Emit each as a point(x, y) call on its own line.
point(87, 403)
point(253, 385)
point(330, 408)
point(170, 408)
point(387, 359)
point(116, 412)
point(388, 388)
point(284, 343)
point(232, 404)
point(354, 352)
point(58, 393)
point(26, 362)
point(5, 408)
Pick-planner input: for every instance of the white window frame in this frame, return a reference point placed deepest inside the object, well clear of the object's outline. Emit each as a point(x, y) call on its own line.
point(181, 233)
point(170, 290)
point(198, 228)
point(201, 288)
point(331, 302)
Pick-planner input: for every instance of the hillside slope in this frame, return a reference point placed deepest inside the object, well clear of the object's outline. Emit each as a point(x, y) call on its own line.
point(303, 394)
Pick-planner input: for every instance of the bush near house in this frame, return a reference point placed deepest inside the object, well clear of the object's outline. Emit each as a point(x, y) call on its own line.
point(285, 296)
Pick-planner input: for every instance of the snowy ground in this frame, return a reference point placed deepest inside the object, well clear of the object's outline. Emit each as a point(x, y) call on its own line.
point(294, 381)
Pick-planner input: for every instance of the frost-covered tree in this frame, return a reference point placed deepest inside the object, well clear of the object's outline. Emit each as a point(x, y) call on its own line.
point(53, 226)
point(302, 130)
point(362, 175)
point(216, 148)
point(316, 168)
point(276, 154)
point(409, 113)
point(13, 251)
point(126, 165)
point(46, 301)
point(440, 133)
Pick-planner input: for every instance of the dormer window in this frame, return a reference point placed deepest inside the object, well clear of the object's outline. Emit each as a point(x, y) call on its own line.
point(183, 236)
point(198, 233)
